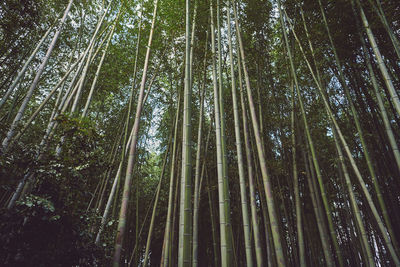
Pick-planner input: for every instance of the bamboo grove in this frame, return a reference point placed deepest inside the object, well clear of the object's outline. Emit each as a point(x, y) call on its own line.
point(200, 133)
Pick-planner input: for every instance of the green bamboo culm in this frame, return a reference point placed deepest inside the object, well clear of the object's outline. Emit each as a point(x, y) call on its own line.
point(312, 148)
point(243, 193)
point(381, 227)
point(261, 155)
point(185, 213)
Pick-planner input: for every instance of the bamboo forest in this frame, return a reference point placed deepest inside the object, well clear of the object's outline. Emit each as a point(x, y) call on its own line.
point(200, 133)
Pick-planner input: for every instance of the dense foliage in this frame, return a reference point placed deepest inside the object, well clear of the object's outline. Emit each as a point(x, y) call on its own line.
point(115, 134)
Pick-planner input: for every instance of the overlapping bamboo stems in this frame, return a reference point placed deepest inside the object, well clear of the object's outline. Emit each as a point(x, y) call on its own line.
point(261, 156)
point(102, 184)
point(85, 69)
point(324, 239)
point(40, 107)
point(312, 148)
point(319, 217)
point(381, 105)
point(385, 235)
point(300, 238)
point(81, 72)
point(359, 130)
point(250, 173)
point(52, 124)
point(132, 149)
point(153, 215)
point(62, 107)
point(199, 170)
point(358, 127)
point(381, 64)
point(165, 256)
point(35, 82)
point(140, 229)
point(21, 73)
point(388, 129)
point(239, 152)
point(125, 144)
point(381, 14)
point(354, 205)
point(5, 145)
point(230, 245)
point(94, 82)
point(226, 256)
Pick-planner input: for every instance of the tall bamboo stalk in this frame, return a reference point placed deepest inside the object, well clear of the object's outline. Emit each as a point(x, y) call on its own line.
point(132, 149)
point(167, 234)
point(186, 184)
point(354, 205)
point(35, 82)
point(243, 193)
point(227, 207)
point(224, 233)
point(312, 148)
point(381, 227)
point(197, 183)
point(381, 64)
point(261, 155)
point(300, 239)
point(153, 215)
point(250, 172)
point(21, 73)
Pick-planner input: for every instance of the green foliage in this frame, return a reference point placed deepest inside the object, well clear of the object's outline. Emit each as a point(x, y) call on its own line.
point(36, 233)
